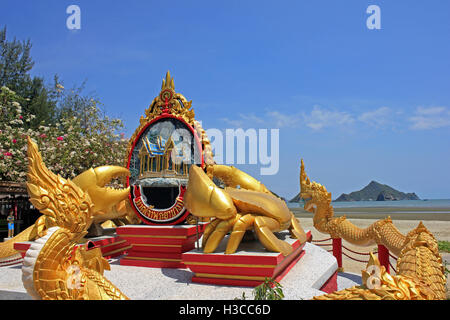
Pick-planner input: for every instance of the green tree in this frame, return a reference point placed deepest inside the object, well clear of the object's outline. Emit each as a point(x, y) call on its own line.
point(32, 93)
point(15, 61)
point(68, 147)
point(72, 132)
point(74, 103)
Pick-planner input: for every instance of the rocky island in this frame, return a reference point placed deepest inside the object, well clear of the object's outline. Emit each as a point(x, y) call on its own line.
point(374, 191)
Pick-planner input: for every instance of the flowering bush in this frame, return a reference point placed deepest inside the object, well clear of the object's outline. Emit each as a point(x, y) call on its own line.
point(68, 147)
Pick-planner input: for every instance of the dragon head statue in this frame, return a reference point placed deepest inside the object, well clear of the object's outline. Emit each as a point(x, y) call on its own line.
point(316, 196)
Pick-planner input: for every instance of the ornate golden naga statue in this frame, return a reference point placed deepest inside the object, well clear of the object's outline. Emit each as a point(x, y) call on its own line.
point(420, 272)
point(54, 267)
point(110, 204)
point(252, 206)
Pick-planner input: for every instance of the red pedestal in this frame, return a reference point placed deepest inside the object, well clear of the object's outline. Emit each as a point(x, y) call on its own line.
point(22, 247)
point(383, 257)
point(337, 252)
point(331, 284)
point(111, 246)
point(159, 246)
point(244, 268)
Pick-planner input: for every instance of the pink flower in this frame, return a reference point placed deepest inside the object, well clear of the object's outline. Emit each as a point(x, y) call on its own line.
point(14, 141)
point(60, 138)
point(8, 154)
point(43, 136)
point(20, 117)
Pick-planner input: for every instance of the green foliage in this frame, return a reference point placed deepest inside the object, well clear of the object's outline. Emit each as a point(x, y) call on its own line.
point(68, 147)
point(15, 61)
point(269, 290)
point(34, 97)
point(37, 100)
point(241, 298)
point(444, 246)
point(72, 132)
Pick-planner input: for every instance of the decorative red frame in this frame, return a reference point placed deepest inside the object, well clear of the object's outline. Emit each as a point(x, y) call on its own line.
point(199, 145)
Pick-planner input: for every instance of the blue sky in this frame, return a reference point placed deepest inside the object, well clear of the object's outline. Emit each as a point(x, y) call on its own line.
point(356, 104)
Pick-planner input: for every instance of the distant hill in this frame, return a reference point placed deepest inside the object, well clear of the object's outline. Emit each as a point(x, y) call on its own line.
point(377, 192)
point(373, 191)
point(296, 198)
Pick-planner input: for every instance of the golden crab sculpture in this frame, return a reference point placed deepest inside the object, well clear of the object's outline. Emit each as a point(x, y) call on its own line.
point(236, 210)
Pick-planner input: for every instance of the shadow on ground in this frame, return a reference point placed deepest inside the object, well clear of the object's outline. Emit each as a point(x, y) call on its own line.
point(11, 295)
point(179, 275)
point(351, 276)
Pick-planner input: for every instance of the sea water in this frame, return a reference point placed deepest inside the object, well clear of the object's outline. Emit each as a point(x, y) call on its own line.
point(432, 203)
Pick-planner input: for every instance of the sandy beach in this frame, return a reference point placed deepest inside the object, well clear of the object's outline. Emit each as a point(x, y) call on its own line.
point(437, 220)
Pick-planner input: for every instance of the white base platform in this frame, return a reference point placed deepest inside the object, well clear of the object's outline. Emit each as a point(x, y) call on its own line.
point(139, 283)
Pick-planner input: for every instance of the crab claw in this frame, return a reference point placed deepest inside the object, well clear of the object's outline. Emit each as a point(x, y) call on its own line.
point(93, 182)
point(204, 199)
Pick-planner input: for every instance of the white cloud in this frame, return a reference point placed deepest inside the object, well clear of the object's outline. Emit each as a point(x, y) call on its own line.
point(430, 118)
point(243, 119)
point(431, 110)
point(272, 119)
point(377, 118)
point(233, 122)
point(320, 118)
point(251, 117)
point(282, 120)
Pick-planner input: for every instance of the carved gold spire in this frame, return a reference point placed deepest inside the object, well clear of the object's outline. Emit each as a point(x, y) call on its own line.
point(169, 102)
point(168, 82)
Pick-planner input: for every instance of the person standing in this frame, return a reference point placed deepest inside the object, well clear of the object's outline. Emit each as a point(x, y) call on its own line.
point(10, 220)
